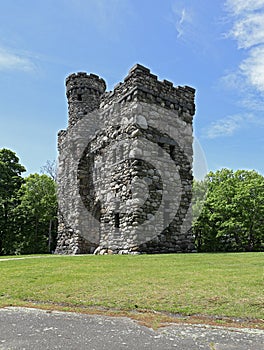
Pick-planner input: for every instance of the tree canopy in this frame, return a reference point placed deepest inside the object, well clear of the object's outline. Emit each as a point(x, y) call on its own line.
point(10, 182)
point(37, 212)
point(232, 215)
point(28, 208)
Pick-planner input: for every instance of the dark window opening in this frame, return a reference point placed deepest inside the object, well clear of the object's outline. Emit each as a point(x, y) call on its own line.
point(117, 220)
point(95, 174)
point(79, 97)
point(166, 212)
point(172, 152)
point(114, 156)
point(121, 150)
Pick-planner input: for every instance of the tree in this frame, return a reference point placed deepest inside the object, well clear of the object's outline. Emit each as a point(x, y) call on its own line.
point(10, 182)
point(37, 213)
point(50, 168)
point(233, 212)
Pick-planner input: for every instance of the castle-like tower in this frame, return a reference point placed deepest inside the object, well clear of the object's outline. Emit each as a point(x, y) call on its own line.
point(125, 166)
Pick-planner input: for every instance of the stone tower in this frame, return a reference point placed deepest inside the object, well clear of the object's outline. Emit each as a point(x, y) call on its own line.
point(125, 166)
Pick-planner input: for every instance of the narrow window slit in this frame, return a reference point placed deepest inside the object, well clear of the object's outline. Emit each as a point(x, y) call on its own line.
point(172, 151)
point(117, 220)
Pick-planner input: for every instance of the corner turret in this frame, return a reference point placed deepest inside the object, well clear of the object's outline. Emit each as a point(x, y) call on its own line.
point(83, 92)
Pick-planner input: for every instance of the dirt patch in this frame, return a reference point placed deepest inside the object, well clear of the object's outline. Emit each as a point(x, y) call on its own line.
point(150, 318)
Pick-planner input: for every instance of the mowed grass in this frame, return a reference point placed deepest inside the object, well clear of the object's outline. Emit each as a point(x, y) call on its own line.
point(206, 284)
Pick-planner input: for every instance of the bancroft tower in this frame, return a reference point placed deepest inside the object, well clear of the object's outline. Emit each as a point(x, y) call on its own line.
point(125, 166)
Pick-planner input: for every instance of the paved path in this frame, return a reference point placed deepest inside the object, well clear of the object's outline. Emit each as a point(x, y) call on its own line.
point(29, 329)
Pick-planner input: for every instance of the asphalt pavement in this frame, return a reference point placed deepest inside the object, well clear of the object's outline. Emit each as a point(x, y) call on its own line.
point(25, 328)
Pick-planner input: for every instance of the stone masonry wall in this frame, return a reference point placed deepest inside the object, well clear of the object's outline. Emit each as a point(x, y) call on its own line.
point(125, 166)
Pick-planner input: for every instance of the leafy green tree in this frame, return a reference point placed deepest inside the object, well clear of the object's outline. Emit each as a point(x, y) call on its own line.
point(10, 182)
point(37, 214)
point(232, 215)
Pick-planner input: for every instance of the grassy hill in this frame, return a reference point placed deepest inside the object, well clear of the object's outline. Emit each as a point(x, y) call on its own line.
point(212, 286)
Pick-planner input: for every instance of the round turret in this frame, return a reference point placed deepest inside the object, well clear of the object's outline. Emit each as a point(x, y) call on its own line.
point(83, 92)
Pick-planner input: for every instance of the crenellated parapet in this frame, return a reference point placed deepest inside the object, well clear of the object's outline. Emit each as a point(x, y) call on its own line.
point(143, 86)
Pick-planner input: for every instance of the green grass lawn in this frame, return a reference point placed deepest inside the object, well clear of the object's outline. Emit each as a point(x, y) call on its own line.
point(207, 284)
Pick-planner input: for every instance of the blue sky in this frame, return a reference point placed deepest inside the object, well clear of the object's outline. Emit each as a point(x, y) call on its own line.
point(217, 47)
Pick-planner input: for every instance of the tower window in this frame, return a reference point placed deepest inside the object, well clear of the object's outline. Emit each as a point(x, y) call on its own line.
point(121, 151)
point(114, 155)
point(79, 97)
point(172, 151)
point(166, 212)
point(117, 220)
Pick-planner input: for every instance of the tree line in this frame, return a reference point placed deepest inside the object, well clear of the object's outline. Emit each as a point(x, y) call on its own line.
point(228, 209)
point(28, 209)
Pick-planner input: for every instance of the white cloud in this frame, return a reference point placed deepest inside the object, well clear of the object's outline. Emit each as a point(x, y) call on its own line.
point(237, 7)
point(253, 68)
point(247, 20)
point(191, 26)
point(223, 127)
point(229, 125)
point(253, 102)
point(183, 20)
point(13, 61)
point(249, 30)
point(180, 23)
point(232, 80)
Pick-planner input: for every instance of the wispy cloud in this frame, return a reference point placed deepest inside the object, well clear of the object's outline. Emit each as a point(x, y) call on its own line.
point(237, 7)
point(13, 61)
point(180, 23)
point(190, 22)
point(253, 102)
point(183, 20)
point(247, 18)
point(227, 126)
point(253, 68)
point(248, 30)
point(223, 127)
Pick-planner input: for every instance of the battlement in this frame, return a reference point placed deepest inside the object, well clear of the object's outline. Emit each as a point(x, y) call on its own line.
point(81, 81)
point(143, 86)
point(86, 92)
